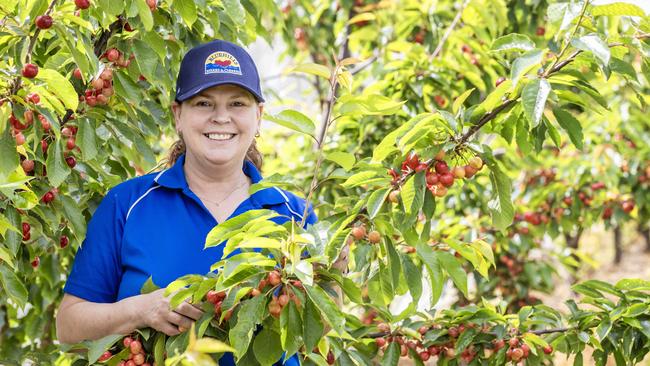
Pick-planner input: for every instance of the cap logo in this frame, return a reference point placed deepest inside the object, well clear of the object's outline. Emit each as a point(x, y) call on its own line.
point(222, 62)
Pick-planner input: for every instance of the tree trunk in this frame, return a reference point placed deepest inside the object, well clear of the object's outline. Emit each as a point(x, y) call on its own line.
point(646, 236)
point(618, 245)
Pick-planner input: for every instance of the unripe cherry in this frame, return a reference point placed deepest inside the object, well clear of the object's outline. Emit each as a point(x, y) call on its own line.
point(383, 327)
point(374, 237)
point(459, 172)
point(27, 165)
point(274, 278)
point(98, 83)
point(470, 171)
point(138, 359)
point(107, 74)
point(101, 99)
point(20, 138)
point(255, 292)
point(359, 232)
point(393, 196)
point(135, 346)
point(517, 354)
point(476, 162)
point(440, 155)
point(283, 300)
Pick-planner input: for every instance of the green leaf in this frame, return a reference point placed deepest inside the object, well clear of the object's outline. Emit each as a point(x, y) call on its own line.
point(211, 345)
point(522, 65)
point(571, 125)
point(622, 67)
point(453, 267)
point(329, 310)
point(312, 325)
point(592, 43)
point(226, 229)
point(376, 201)
point(4, 254)
point(619, 8)
point(98, 347)
point(57, 169)
point(126, 88)
point(603, 329)
point(412, 194)
point(145, 14)
point(313, 69)
point(9, 161)
point(146, 58)
point(430, 259)
point(86, 139)
point(533, 98)
point(344, 159)
point(391, 355)
point(60, 86)
point(148, 286)
point(295, 121)
point(74, 215)
point(413, 276)
point(460, 100)
point(159, 349)
point(12, 286)
point(513, 42)
point(364, 177)
point(248, 317)
point(501, 205)
point(291, 329)
point(187, 10)
point(267, 347)
point(235, 11)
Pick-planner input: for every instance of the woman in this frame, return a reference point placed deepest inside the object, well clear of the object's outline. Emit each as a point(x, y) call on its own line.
point(156, 225)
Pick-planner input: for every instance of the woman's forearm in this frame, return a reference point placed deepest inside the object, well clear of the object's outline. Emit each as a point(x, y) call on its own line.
point(83, 320)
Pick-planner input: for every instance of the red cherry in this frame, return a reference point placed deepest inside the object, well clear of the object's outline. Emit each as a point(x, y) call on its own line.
point(359, 232)
point(212, 296)
point(71, 143)
point(77, 74)
point(82, 4)
point(48, 197)
point(447, 179)
point(63, 242)
point(499, 81)
point(424, 356)
point(26, 228)
point(152, 4)
point(138, 359)
point(44, 146)
point(112, 55)
point(30, 71)
point(34, 98)
point(44, 21)
point(28, 165)
point(71, 161)
point(432, 178)
point(127, 27)
point(441, 167)
point(101, 99)
point(135, 347)
point(540, 31)
point(91, 101)
point(466, 49)
point(20, 138)
point(330, 358)
point(381, 342)
point(36, 262)
point(513, 342)
point(275, 278)
point(548, 349)
point(374, 237)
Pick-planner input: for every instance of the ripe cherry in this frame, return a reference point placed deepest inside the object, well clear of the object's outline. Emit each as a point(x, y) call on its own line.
point(470, 171)
point(77, 74)
point(499, 81)
point(459, 172)
point(275, 278)
point(34, 98)
point(453, 332)
point(628, 206)
point(26, 227)
point(424, 356)
point(82, 4)
point(152, 4)
point(548, 349)
point(20, 138)
point(135, 346)
point(63, 241)
point(525, 349)
point(105, 356)
point(447, 179)
point(91, 101)
point(513, 342)
point(383, 327)
point(28, 165)
point(71, 143)
point(138, 359)
point(330, 358)
point(30, 71)
point(359, 232)
point(283, 300)
point(112, 54)
point(441, 167)
point(44, 21)
point(48, 197)
point(540, 31)
point(381, 342)
point(36, 262)
point(517, 354)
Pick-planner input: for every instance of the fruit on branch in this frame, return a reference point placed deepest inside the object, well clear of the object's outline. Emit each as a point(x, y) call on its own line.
point(105, 356)
point(34, 98)
point(447, 179)
point(44, 21)
point(513, 342)
point(71, 143)
point(440, 101)
point(516, 354)
point(36, 262)
point(441, 167)
point(275, 308)
point(359, 232)
point(30, 71)
point(627, 205)
point(608, 212)
point(476, 162)
point(548, 349)
point(274, 278)
point(393, 196)
point(540, 31)
point(453, 332)
point(82, 4)
point(27, 165)
point(598, 185)
point(152, 4)
point(135, 346)
point(20, 138)
point(330, 358)
point(374, 237)
point(459, 172)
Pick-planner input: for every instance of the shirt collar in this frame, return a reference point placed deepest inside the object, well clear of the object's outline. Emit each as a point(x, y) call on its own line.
point(174, 177)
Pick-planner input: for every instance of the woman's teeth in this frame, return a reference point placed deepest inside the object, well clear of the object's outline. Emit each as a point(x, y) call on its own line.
point(219, 136)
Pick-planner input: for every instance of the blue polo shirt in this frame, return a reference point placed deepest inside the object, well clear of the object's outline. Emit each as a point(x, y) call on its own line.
point(154, 225)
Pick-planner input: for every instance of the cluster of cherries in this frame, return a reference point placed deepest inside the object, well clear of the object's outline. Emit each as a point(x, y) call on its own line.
point(137, 354)
point(101, 88)
point(440, 178)
point(282, 297)
point(516, 352)
point(359, 233)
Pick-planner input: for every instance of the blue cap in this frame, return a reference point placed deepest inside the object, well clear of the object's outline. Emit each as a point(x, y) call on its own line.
point(216, 63)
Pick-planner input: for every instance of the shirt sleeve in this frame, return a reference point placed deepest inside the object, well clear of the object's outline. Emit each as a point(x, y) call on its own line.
point(97, 271)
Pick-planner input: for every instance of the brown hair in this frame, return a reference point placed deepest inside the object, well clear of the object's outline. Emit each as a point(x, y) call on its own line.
point(178, 149)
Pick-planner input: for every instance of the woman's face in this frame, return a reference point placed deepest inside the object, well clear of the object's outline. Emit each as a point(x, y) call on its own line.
point(218, 124)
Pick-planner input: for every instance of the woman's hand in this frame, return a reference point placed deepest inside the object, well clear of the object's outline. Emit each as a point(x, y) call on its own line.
point(155, 313)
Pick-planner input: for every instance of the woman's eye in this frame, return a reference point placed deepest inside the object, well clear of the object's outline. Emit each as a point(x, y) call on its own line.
point(203, 103)
point(238, 104)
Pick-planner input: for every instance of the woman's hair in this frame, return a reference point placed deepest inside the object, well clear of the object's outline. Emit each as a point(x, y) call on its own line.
point(178, 149)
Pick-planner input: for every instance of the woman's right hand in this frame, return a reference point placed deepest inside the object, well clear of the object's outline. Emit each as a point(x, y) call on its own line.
point(155, 312)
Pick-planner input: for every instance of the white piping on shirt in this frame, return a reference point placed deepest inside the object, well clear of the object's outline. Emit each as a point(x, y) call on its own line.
point(138, 200)
point(286, 202)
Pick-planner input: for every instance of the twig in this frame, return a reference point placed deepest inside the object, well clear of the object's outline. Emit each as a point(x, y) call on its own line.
point(548, 331)
point(451, 27)
point(566, 45)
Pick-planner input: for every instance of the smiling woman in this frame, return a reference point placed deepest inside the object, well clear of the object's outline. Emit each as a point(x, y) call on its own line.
point(155, 225)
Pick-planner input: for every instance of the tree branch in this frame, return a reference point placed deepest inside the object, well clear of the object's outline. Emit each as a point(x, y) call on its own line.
point(451, 27)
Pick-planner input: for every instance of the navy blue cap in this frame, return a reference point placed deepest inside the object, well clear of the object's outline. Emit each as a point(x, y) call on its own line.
point(216, 63)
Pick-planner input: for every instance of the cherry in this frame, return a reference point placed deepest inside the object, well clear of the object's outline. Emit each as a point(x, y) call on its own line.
point(255, 292)
point(567, 201)
point(466, 49)
point(135, 346)
point(598, 185)
point(525, 349)
point(152, 4)
point(34, 98)
point(470, 171)
point(628, 206)
point(441, 167)
point(105, 356)
point(28, 165)
point(112, 55)
point(424, 356)
point(513, 342)
point(82, 4)
point(383, 327)
point(127, 27)
point(540, 31)
point(283, 300)
point(403, 351)
point(393, 196)
point(374, 237)
point(63, 242)
point(447, 179)
point(44, 146)
point(36, 262)
point(274, 308)
point(71, 143)
point(330, 358)
point(453, 332)
point(476, 162)
point(440, 191)
point(499, 81)
point(459, 172)
point(77, 74)
point(381, 342)
point(212, 297)
point(498, 344)
point(44, 21)
point(20, 138)
point(101, 99)
point(517, 354)
point(432, 178)
point(98, 83)
point(130, 363)
point(30, 71)
point(440, 101)
point(138, 359)
point(608, 212)
point(91, 101)
point(106, 75)
point(274, 278)
point(26, 228)
point(419, 37)
point(548, 349)
point(359, 232)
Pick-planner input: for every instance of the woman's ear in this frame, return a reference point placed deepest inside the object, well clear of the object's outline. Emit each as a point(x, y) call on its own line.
point(176, 111)
point(260, 113)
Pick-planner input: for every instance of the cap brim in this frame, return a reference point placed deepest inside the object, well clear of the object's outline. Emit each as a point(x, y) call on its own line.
point(192, 92)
